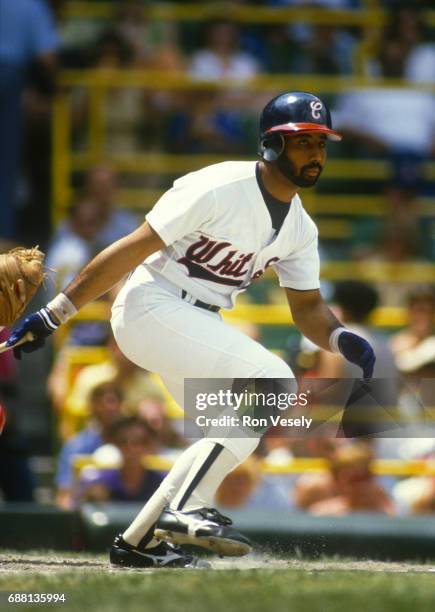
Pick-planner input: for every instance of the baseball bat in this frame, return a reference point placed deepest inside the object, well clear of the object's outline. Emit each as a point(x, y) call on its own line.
point(28, 337)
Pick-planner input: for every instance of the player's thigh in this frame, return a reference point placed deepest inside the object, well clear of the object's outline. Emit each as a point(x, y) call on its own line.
point(178, 340)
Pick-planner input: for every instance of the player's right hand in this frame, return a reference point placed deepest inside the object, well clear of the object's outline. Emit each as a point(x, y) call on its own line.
point(358, 351)
point(41, 324)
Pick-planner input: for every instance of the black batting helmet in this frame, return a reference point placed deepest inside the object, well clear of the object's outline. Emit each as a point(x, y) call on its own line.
point(292, 112)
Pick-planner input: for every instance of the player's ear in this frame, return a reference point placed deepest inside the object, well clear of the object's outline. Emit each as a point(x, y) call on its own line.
point(271, 146)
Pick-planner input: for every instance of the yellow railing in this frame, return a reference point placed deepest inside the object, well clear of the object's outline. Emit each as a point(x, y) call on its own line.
point(151, 79)
point(369, 16)
point(65, 161)
point(315, 204)
point(263, 314)
point(151, 163)
point(297, 465)
point(244, 13)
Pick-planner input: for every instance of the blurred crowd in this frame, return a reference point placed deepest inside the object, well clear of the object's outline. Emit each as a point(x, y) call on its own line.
point(116, 427)
point(215, 121)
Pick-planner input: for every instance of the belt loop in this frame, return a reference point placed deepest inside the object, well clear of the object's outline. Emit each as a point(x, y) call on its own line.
point(188, 297)
point(199, 303)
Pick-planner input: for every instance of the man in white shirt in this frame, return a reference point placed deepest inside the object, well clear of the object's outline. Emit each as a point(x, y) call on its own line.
point(205, 241)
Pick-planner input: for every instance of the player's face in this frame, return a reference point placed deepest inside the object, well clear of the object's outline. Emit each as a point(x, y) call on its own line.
point(303, 158)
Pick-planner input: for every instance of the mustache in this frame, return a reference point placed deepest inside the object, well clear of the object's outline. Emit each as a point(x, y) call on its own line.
point(312, 166)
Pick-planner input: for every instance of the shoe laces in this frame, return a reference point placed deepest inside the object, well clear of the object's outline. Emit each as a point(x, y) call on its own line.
point(215, 515)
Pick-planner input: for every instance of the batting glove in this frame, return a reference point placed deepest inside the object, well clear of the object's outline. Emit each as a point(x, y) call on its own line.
point(41, 324)
point(356, 350)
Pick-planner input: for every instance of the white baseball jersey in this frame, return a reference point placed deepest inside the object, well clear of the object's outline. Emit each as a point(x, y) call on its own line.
point(219, 236)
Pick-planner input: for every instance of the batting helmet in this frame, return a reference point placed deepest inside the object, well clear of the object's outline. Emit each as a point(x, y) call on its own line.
point(292, 112)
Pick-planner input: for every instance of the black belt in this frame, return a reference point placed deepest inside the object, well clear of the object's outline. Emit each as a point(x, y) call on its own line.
point(201, 304)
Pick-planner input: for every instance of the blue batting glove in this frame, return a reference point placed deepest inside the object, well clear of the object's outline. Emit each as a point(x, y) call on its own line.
point(41, 324)
point(358, 351)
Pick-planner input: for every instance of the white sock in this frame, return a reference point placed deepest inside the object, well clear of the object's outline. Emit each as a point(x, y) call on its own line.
point(140, 532)
point(212, 463)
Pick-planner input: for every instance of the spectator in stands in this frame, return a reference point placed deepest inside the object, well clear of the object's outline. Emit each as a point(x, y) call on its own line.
point(419, 495)
point(101, 187)
point(414, 353)
point(105, 406)
point(407, 26)
point(221, 56)
point(207, 125)
point(140, 389)
point(276, 446)
point(371, 116)
point(416, 494)
point(8, 369)
point(355, 302)
point(159, 104)
point(312, 487)
point(16, 478)
point(279, 49)
point(133, 26)
point(246, 487)
point(216, 122)
point(414, 346)
point(122, 107)
point(154, 43)
point(76, 242)
point(132, 481)
point(349, 486)
point(400, 235)
point(325, 50)
point(316, 49)
point(27, 35)
point(164, 436)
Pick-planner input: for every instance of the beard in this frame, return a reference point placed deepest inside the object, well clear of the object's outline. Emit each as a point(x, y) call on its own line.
point(301, 179)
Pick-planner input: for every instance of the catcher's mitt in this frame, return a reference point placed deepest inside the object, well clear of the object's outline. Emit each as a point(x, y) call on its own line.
point(21, 273)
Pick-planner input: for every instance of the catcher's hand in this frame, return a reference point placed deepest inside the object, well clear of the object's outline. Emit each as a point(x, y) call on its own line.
point(21, 273)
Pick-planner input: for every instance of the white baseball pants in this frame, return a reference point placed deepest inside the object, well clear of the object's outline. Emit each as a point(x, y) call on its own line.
point(162, 333)
point(159, 331)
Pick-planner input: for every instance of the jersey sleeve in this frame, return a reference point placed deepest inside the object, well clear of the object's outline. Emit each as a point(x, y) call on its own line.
point(183, 209)
point(301, 269)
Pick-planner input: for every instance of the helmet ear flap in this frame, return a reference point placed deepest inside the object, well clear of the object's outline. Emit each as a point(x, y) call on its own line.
point(271, 146)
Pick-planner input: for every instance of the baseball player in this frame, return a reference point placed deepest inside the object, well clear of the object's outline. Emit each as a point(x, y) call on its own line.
point(212, 234)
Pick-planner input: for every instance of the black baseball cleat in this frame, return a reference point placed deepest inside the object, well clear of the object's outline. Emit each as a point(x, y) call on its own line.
point(205, 527)
point(164, 555)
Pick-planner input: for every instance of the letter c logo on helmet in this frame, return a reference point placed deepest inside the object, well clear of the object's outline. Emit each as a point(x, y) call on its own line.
point(290, 113)
point(315, 108)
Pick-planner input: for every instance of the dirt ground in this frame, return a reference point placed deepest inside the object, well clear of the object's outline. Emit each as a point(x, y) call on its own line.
point(57, 562)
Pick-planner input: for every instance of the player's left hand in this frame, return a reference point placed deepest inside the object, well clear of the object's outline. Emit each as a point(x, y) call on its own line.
point(358, 351)
point(41, 325)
